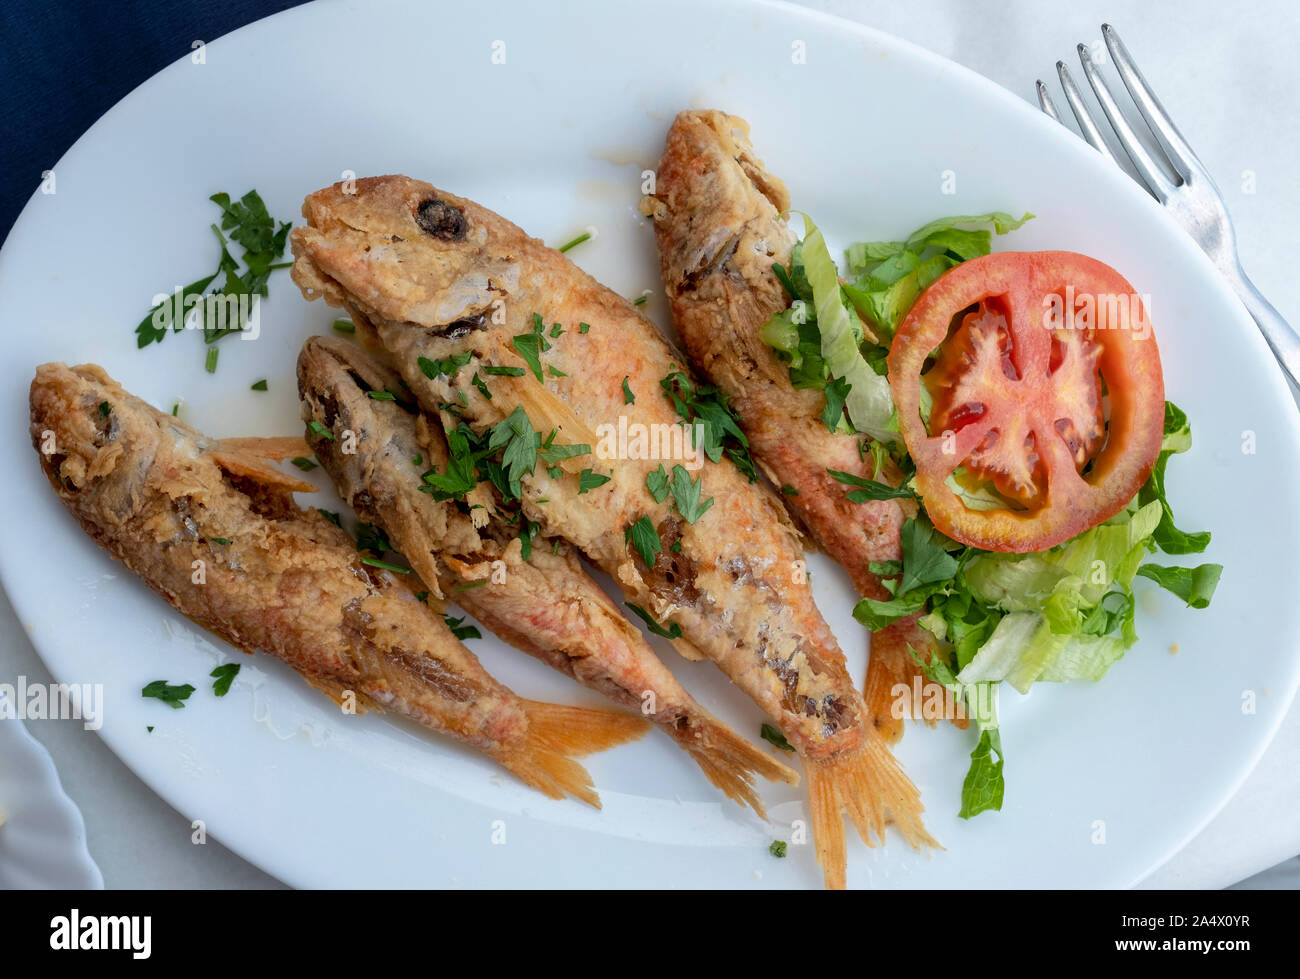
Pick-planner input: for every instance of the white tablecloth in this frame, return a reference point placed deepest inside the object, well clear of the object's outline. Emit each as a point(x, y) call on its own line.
point(1228, 73)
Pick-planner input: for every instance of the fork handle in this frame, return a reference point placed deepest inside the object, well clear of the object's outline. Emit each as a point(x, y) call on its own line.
point(1277, 331)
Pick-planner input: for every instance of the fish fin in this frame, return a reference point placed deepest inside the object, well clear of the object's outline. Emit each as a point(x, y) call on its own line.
point(868, 784)
point(279, 447)
point(730, 762)
point(556, 735)
point(891, 664)
point(246, 457)
point(335, 689)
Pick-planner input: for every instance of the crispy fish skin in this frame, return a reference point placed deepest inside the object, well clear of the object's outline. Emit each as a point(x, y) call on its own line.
point(433, 275)
point(547, 606)
point(719, 229)
point(161, 497)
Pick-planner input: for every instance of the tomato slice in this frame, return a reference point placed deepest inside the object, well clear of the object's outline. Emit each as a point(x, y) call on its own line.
point(1047, 397)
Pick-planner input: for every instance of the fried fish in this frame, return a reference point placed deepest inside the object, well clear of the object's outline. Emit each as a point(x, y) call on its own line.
point(543, 365)
point(214, 529)
point(720, 227)
point(542, 602)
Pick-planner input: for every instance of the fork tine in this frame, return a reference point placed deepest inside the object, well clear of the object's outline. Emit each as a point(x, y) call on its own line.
point(1089, 128)
point(1045, 102)
point(1155, 178)
point(1182, 157)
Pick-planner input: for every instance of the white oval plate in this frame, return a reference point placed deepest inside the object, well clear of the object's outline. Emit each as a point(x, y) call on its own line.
point(1104, 782)
point(42, 834)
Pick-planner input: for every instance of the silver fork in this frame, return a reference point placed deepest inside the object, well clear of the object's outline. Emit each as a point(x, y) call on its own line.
point(1190, 197)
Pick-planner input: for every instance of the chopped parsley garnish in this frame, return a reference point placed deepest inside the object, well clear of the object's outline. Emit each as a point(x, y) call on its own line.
point(583, 328)
point(718, 427)
point(225, 675)
point(374, 562)
point(320, 430)
point(372, 538)
point(589, 479)
point(382, 395)
point(628, 397)
point(210, 364)
point(557, 331)
point(331, 516)
point(422, 596)
point(258, 385)
point(657, 483)
point(686, 494)
point(674, 631)
point(517, 436)
point(458, 630)
point(777, 849)
point(173, 696)
point(870, 489)
point(555, 371)
point(250, 226)
point(479, 383)
point(644, 538)
point(531, 346)
point(640, 300)
point(773, 736)
point(433, 369)
point(492, 370)
point(789, 490)
point(479, 583)
point(417, 459)
point(345, 326)
point(222, 541)
point(303, 463)
point(105, 409)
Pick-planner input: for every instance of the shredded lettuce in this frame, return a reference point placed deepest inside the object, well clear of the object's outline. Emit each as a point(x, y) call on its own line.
point(868, 401)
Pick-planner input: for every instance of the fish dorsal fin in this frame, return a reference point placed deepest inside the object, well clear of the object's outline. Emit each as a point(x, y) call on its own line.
point(247, 458)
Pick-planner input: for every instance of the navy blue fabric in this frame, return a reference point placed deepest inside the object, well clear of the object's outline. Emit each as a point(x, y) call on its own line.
point(63, 65)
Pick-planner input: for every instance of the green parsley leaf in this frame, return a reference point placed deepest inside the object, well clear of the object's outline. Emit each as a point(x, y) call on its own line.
point(105, 409)
point(583, 328)
point(870, 489)
point(773, 736)
point(504, 372)
point(674, 631)
point(331, 516)
point(657, 483)
point(686, 494)
point(345, 326)
point(376, 563)
point(173, 696)
point(479, 383)
point(319, 430)
point(372, 538)
point(517, 436)
point(210, 365)
point(529, 347)
point(225, 675)
point(458, 630)
point(259, 385)
point(777, 849)
point(628, 397)
point(836, 391)
point(382, 395)
point(925, 560)
point(589, 479)
point(433, 369)
point(644, 538)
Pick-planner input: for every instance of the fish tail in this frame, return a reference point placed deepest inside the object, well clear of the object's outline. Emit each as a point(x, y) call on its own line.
point(869, 786)
point(730, 762)
point(892, 664)
point(556, 735)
